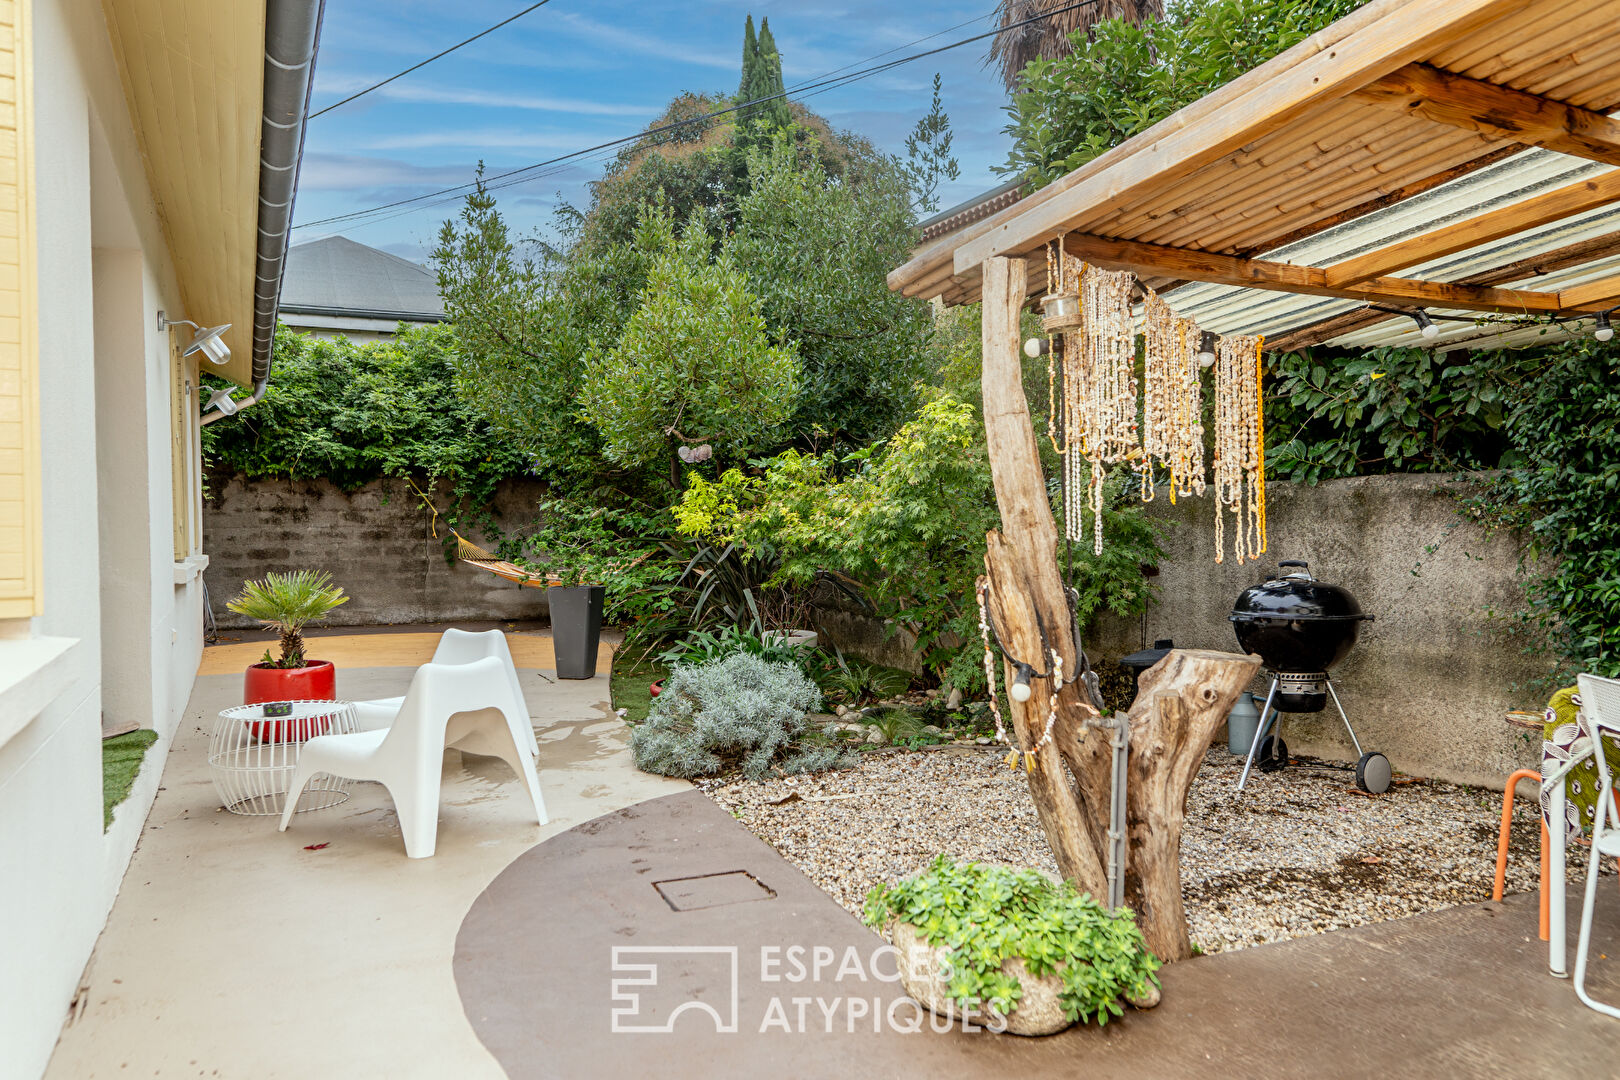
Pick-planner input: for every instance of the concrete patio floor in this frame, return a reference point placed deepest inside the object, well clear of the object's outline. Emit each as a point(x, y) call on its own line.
point(521, 951)
point(674, 884)
point(235, 951)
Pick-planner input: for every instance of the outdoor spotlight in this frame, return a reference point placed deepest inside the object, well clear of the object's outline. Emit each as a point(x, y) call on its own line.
point(1036, 346)
point(1601, 328)
point(1425, 324)
point(1206, 349)
point(221, 399)
point(1020, 689)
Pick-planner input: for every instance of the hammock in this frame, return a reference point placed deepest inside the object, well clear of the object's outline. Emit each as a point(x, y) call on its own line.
point(473, 555)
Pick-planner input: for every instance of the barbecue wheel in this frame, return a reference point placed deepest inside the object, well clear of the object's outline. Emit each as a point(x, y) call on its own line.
point(1273, 754)
point(1373, 773)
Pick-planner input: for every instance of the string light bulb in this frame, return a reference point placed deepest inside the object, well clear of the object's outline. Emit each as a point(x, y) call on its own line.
point(1206, 349)
point(1426, 325)
point(1020, 690)
point(1601, 328)
point(1035, 347)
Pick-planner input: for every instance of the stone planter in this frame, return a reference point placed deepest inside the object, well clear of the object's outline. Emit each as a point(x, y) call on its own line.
point(923, 969)
point(923, 973)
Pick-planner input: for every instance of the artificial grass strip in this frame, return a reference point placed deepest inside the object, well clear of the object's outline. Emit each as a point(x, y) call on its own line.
point(121, 758)
point(631, 687)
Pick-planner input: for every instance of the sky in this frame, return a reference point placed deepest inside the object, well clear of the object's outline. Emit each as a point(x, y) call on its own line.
point(576, 73)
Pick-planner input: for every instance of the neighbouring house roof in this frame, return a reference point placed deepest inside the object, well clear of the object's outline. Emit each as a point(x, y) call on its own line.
point(337, 276)
point(1450, 155)
point(966, 213)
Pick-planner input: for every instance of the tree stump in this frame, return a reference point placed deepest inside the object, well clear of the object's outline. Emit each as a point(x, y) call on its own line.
point(1181, 700)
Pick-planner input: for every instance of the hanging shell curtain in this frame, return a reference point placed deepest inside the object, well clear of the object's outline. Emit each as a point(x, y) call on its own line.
point(1091, 327)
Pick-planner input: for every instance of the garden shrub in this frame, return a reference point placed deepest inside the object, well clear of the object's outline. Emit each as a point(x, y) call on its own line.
point(989, 914)
point(742, 711)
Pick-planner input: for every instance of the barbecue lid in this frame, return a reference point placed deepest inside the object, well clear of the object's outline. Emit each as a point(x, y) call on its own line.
point(1295, 595)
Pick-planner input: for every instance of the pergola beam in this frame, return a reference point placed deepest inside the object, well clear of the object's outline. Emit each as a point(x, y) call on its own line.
point(1594, 296)
point(1555, 205)
point(1562, 258)
point(1498, 112)
point(1155, 259)
point(1251, 108)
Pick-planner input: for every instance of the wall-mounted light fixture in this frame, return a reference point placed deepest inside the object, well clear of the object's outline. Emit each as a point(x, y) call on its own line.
point(221, 400)
point(205, 340)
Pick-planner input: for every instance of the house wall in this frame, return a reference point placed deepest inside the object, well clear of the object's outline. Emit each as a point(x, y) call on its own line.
point(1430, 678)
point(377, 542)
point(109, 575)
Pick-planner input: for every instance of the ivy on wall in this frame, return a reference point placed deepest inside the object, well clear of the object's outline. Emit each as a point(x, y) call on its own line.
point(351, 412)
point(1542, 421)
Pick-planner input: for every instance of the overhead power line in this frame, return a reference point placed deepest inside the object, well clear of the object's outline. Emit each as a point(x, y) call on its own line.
point(808, 89)
point(425, 63)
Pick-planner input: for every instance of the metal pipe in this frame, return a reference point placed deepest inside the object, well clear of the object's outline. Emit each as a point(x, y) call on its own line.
point(292, 31)
point(1116, 813)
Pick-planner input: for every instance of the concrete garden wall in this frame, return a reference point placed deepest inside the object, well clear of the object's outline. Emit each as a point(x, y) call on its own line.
point(1429, 681)
point(376, 541)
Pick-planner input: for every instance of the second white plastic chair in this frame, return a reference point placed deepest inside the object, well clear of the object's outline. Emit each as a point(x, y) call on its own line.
point(1600, 704)
point(467, 706)
point(455, 647)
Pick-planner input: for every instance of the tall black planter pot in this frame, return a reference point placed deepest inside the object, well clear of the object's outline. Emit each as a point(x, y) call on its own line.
point(576, 627)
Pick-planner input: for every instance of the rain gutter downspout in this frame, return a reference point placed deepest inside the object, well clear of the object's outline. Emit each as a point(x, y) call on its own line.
point(292, 31)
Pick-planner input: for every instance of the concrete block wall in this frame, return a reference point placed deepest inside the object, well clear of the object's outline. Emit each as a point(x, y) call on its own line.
point(376, 541)
point(1430, 678)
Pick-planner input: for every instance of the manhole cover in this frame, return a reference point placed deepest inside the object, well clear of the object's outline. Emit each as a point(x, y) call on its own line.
point(713, 890)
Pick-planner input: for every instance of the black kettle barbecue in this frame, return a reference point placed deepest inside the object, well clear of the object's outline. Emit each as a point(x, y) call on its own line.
point(1301, 627)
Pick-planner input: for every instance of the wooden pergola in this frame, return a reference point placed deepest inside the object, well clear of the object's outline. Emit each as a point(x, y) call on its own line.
point(1387, 105)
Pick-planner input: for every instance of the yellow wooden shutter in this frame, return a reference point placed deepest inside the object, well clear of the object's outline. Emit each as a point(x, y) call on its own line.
point(19, 352)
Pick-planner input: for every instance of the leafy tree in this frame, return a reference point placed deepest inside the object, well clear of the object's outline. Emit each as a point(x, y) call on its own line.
point(523, 325)
point(816, 251)
point(694, 364)
point(1124, 77)
point(928, 156)
point(354, 411)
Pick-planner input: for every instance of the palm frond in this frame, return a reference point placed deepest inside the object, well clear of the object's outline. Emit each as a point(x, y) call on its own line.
point(288, 601)
point(1047, 39)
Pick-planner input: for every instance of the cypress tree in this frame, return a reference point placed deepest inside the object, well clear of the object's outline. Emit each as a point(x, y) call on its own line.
point(775, 113)
point(750, 61)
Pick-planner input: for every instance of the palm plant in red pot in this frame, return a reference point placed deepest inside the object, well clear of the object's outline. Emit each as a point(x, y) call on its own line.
point(287, 603)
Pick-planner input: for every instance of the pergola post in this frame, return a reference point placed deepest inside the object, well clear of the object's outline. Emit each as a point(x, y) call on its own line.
point(1181, 702)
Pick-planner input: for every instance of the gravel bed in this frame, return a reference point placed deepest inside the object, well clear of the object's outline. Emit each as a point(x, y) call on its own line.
point(1297, 853)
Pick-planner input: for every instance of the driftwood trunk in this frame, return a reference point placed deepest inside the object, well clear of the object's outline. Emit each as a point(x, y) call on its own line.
point(1181, 701)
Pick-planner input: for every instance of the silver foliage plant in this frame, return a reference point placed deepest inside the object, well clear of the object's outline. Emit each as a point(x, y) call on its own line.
point(739, 710)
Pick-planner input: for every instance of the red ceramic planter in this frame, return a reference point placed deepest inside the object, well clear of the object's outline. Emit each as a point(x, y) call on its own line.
point(315, 681)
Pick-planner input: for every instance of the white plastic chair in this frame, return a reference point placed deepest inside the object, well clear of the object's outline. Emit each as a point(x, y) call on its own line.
point(1600, 704)
point(468, 706)
point(455, 647)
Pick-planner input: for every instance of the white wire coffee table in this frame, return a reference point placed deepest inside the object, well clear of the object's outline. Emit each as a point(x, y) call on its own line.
point(251, 756)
